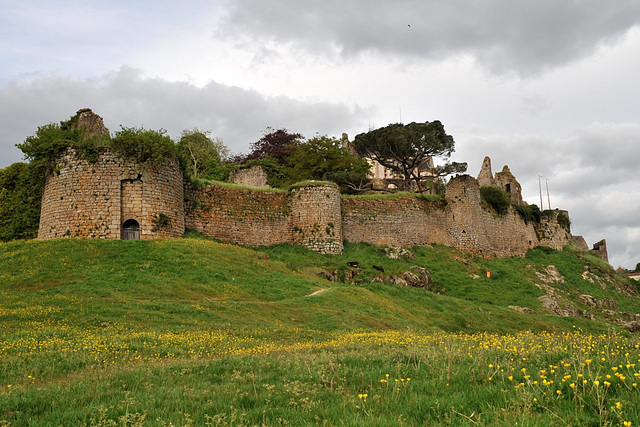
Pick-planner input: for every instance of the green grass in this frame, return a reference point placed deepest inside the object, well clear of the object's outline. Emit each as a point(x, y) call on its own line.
point(396, 195)
point(232, 186)
point(192, 331)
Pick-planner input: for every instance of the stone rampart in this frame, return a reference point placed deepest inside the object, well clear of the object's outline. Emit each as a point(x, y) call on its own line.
point(398, 221)
point(460, 220)
point(251, 177)
point(93, 199)
point(475, 227)
point(85, 199)
point(553, 230)
point(248, 217)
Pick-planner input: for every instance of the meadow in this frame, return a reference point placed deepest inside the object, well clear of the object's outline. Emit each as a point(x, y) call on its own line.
point(196, 332)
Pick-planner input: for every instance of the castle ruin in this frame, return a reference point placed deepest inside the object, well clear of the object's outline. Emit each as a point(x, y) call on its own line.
point(116, 198)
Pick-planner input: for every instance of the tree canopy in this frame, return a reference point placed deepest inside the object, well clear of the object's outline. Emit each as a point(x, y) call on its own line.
point(21, 186)
point(323, 158)
point(200, 154)
point(405, 148)
point(275, 144)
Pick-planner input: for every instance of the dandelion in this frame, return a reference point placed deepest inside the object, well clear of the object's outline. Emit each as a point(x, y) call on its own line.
point(626, 423)
point(618, 405)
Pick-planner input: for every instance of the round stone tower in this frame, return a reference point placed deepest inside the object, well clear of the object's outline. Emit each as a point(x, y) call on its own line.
point(111, 197)
point(316, 217)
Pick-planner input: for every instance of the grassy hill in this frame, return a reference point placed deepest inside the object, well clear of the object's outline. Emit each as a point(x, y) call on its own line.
point(195, 332)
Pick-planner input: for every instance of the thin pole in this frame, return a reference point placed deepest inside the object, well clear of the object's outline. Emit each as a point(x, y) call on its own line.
point(548, 198)
point(540, 188)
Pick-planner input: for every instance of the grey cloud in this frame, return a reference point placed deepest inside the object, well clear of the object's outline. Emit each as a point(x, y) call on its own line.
point(503, 35)
point(126, 98)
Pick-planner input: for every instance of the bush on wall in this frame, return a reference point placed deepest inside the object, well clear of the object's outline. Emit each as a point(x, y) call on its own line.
point(496, 198)
point(144, 145)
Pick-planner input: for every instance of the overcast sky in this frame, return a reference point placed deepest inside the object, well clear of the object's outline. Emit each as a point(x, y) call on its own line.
point(549, 87)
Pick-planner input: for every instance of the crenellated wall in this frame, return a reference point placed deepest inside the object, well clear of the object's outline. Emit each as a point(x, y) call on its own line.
point(93, 199)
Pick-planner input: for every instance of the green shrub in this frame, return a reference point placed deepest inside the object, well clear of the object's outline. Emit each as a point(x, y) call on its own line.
point(144, 145)
point(496, 198)
point(529, 213)
point(564, 221)
point(21, 187)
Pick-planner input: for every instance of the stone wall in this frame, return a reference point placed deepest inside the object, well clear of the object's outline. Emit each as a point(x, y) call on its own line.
point(600, 250)
point(399, 221)
point(251, 177)
point(580, 243)
point(475, 227)
point(85, 199)
point(243, 216)
point(460, 221)
point(551, 233)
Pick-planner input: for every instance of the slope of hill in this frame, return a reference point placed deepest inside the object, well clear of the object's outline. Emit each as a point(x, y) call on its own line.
point(98, 317)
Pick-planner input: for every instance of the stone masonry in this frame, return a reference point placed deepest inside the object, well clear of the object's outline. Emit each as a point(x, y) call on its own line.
point(316, 218)
point(251, 177)
point(85, 199)
point(95, 199)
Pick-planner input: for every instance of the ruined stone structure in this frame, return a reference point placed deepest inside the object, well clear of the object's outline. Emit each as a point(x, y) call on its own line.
point(251, 177)
point(504, 180)
point(114, 198)
point(600, 250)
point(459, 221)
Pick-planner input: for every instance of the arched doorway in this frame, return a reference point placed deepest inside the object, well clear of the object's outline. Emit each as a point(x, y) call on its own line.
point(130, 230)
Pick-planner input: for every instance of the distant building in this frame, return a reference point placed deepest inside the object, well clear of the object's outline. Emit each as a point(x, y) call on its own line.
point(634, 276)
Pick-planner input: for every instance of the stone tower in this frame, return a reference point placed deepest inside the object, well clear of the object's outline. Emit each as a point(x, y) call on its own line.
point(111, 197)
point(316, 217)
